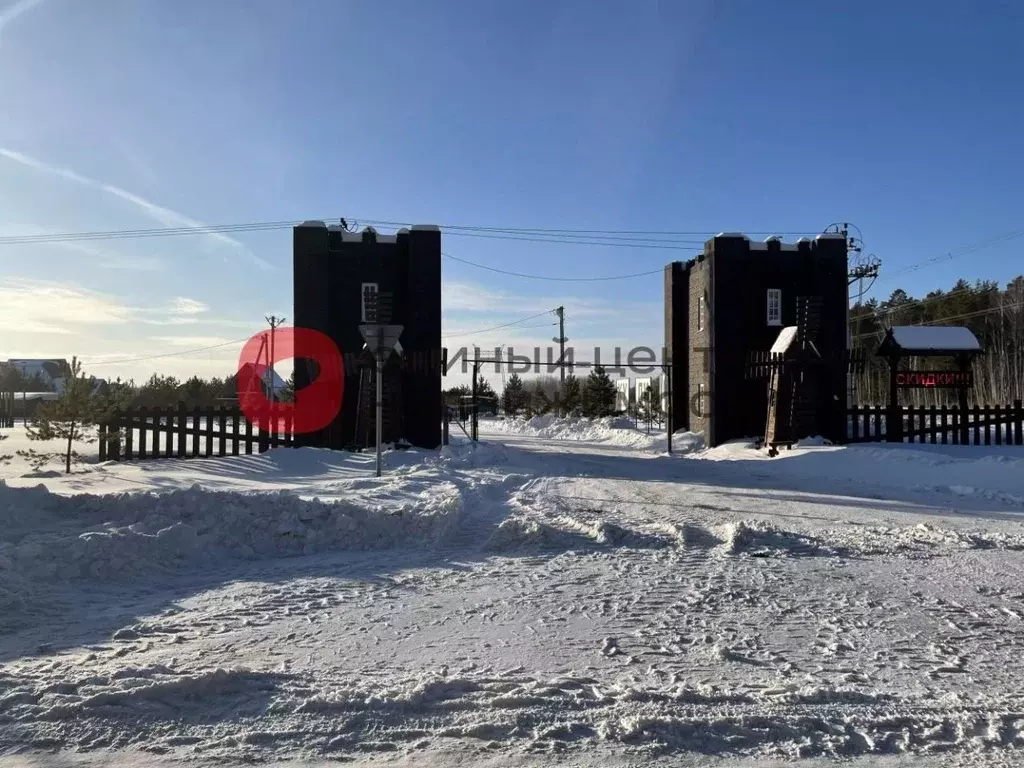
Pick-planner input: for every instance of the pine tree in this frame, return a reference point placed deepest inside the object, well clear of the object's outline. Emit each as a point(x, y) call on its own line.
point(513, 398)
point(72, 418)
point(538, 402)
point(571, 396)
point(487, 398)
point(287, 393)
point(598, 394)
point(649, 407)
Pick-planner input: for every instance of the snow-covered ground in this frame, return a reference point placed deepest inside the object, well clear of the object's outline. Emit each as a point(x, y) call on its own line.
point(561, 592)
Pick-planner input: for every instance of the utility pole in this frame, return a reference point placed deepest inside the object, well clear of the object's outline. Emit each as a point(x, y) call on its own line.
point(560, 311)
point(856, 272)
point(275, 323)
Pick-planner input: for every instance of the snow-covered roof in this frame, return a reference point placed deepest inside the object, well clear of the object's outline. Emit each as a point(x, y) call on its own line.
point(48, 370)
point(831, 236)
point(426, 228)
point(785, 338)
point(357, 237)
point(756, 246)
point(732, 234)
point(935, 338)
point(47, 396)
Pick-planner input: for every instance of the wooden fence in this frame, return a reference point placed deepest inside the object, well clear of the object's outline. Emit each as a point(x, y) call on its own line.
point(158, 433)
point(979, 425)
point(6, 410)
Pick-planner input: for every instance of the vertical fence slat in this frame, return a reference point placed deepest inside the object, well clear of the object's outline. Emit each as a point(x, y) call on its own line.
point(975, 421)
point(933, 425)
point(248, 437)
point(101, 435)
point(143, 415)
point(1018, 422)
point(197, 422)
point(222, 425)
point(182, 427)
point(264, 436)
point(129, 436)
point(943, 424)
point(115, 446)
point(911, 414)
point(997, 417)
point(235, 427)
point(210, 418)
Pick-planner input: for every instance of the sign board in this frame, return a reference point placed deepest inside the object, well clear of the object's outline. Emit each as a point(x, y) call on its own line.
point(381, 337)
point(934, 379)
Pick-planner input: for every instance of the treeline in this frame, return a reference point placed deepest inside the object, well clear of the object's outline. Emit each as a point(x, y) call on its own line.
point(158, 391)
point(994, 314)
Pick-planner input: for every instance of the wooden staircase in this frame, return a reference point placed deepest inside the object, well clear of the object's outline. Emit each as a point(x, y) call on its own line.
point(366, 408)
point(804, 402)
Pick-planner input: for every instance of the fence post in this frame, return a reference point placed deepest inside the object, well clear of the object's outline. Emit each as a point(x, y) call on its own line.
point(143, 414)
point(197, 420)
point(998, 418)
point(223, 427)
point(129, 435)
point(114, 453)
point(209, 418)
point(1018, 425)
point(181, 426)
point(236, 427)
point(101, 434)
point(248, 436)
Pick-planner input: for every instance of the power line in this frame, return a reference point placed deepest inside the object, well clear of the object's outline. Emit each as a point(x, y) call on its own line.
point(961, 252)
point(549, 231)
point(660, 270)
point(169, 354)
point(505, 325)
point(627, 238)
point(963, 316)
point(605, 242)
point(131, 234)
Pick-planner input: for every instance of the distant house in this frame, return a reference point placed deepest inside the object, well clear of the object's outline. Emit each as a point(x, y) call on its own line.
point(52, 373)
point(48, 371)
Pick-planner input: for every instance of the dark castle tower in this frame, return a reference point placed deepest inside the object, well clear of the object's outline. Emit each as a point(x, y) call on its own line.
point(334, 270)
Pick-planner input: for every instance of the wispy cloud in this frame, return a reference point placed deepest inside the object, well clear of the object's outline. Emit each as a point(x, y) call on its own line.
point(30, 307)
point(465, 296)
point(181, 305)
point(13, 11)
point(192, 342)
point(98, 257)
point(166, 216)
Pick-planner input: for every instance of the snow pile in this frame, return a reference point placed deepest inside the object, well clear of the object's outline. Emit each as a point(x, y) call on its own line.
point(610, 430)
point(45, 537)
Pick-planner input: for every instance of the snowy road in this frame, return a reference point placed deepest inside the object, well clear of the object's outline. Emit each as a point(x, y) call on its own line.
point(580, 601)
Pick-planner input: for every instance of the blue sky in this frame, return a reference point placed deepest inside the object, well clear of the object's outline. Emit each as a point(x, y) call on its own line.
point(903, 118)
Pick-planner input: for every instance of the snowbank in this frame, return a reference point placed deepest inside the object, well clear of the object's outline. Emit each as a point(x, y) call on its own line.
point(47, 539)
point(618, 431)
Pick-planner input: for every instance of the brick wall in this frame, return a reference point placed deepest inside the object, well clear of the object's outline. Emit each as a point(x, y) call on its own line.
point(698, 394)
